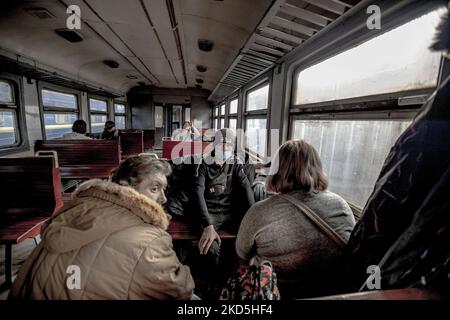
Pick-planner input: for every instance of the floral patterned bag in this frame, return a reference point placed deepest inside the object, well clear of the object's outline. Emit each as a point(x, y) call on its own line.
point(252, 282)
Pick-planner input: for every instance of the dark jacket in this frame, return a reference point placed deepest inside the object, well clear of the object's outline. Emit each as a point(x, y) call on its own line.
point(222, 194)
point(108, 134)
point(405, 221)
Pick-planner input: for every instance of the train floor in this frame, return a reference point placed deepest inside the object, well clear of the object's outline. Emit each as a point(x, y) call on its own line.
point(20, 253)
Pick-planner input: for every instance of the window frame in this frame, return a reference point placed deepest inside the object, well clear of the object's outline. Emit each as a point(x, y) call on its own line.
point(96, 112)
point(43, 109)
point(18, 108)
point(121, 114)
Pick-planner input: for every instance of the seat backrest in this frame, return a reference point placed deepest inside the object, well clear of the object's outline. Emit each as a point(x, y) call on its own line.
point(149, 139)
point(83, 159)
point(131, 143)
point(29, 186)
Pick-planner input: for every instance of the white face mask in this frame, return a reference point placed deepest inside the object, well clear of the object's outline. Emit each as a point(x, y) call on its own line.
point(223, 156)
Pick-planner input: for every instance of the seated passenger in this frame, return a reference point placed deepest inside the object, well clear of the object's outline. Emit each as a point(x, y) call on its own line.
point(184, 134)
point(222, 194)
point(306, 260)
point(110, 131)
point(78, 131)
point(113, 235)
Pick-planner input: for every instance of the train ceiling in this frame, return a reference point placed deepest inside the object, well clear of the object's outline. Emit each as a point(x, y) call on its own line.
point(156, 42)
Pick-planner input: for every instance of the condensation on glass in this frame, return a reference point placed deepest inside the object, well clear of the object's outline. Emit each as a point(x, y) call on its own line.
point(352, 152)
point(256, 135)
point(398, 60)
point(258, 99)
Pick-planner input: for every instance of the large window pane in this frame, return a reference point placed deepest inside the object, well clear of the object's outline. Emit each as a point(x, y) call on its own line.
point(258, 99)
point(97, 123)
point(395, 61)
point(352, 152)
point(59, 99)
point(216, 111)
point(222, 110)
point(232, 124)
point(6, 94)
point(120, 122)
point(119, 108)
point(187, 114)
point(57, 124)
point(98, 105)
point(233, 106)
point(8, 128)
point(222, 123)
point(256, 134)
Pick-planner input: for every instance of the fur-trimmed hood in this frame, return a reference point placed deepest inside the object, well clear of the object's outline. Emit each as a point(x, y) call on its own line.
point(99, 208)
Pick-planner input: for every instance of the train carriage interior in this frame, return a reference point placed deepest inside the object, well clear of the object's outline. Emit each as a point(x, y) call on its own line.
point(358, 80)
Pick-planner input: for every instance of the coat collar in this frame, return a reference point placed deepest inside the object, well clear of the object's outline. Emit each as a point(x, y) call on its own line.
point(142, 206)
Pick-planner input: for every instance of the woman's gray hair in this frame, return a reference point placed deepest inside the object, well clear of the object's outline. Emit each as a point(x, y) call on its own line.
point(134, 170)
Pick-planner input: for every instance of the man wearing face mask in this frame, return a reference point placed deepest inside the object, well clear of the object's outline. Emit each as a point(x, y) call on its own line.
point(222, 194)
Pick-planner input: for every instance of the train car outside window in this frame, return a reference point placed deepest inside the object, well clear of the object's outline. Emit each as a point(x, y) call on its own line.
point(257, 103)
point(352, 152)
point(60, 112)
point(9, 131)
point(353, 147)
point(120, 117)
point(99, 114)
point(391, 62)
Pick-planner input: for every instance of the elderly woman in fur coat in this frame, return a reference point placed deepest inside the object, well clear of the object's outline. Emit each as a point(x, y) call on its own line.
point(109, 242)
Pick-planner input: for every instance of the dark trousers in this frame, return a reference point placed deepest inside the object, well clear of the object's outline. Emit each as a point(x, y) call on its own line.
point(209, 271)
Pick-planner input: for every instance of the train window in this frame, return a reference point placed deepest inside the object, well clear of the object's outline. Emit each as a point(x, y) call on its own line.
point(8, 128)
point(8, 116)
point(234, 106)
point(98, 122)
point(99, 114)
point(187, 114)
point(216, 123)
point(216, 111)
point(222, 123)
point(352, 151)
point(258, 99)
point(98, 105)
point(60, 112)
point(392, 62)
point(6, 92)
point(60, 100)
point(57, 124)
point(256, 134)
point(222, 110)
point(120, 115)
point(232, 123)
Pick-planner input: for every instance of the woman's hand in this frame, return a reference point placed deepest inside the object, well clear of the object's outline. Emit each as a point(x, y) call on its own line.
point(208, 236)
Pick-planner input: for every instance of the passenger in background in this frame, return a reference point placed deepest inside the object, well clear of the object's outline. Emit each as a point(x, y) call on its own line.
point(79, 129)
point(306, 260)
point(222, 194)
point(112, 234)
point(183, 134)
point(110, 131)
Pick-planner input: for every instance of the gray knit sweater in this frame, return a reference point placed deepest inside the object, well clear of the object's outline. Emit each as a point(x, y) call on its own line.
point(301, 254)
